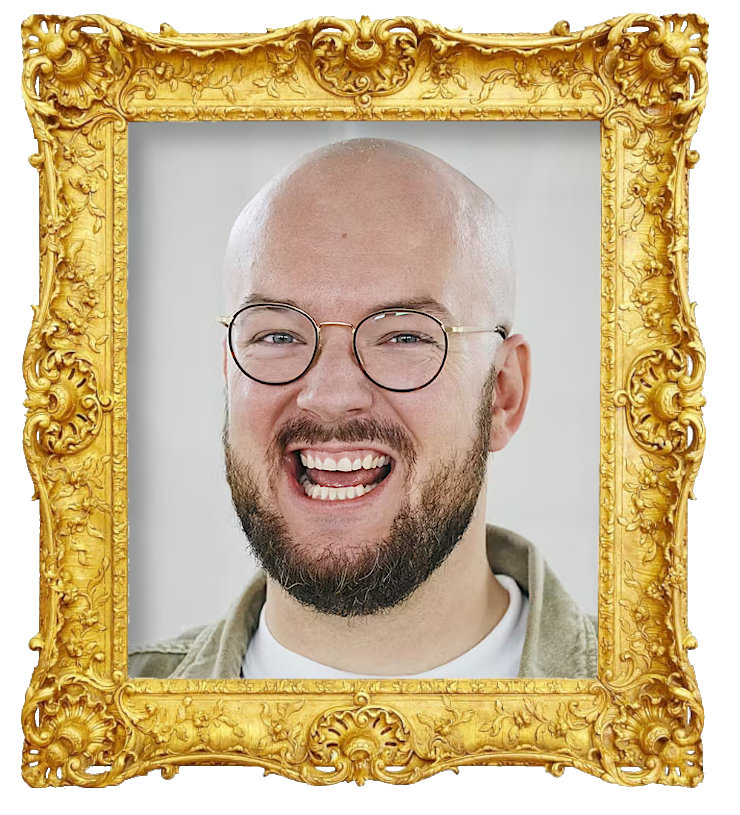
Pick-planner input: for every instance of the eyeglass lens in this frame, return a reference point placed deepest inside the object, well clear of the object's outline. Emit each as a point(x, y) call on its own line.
point(399, 350)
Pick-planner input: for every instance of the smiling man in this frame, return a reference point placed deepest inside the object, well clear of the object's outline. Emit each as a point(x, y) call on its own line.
point(370, 370)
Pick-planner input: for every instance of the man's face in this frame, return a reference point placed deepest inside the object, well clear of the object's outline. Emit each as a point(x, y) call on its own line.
point(423, 452)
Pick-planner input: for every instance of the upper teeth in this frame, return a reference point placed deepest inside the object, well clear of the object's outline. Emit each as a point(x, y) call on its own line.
point(345, 464)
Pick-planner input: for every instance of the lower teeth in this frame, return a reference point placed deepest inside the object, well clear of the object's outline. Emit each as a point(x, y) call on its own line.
point(334, 493)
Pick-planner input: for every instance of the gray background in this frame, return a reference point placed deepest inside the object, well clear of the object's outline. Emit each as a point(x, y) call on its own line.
point(187, 184)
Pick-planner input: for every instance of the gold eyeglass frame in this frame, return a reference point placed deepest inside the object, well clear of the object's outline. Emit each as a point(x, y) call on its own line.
point(457, 329)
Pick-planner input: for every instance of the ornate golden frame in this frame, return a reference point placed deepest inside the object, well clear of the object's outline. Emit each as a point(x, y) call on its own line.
point(84, 79)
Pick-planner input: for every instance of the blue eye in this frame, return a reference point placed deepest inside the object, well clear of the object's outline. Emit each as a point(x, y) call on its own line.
point(407, 338)
point(276, 338)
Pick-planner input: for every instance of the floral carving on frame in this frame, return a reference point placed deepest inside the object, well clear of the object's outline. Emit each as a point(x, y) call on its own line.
point(84, 79)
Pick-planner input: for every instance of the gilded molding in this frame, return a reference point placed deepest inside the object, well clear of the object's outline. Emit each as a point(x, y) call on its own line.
point(644, 78)
point(365, 59)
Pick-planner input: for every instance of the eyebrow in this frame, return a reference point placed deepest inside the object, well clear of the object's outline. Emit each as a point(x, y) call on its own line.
point(426, 304)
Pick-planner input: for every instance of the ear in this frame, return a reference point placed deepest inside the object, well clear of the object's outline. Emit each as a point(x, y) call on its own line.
point(226, 360)
point(513, 363)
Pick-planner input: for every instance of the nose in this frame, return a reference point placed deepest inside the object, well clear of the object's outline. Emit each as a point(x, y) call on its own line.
point(335, 386)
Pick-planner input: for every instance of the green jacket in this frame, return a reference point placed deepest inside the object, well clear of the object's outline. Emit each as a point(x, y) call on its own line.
point(560, 641)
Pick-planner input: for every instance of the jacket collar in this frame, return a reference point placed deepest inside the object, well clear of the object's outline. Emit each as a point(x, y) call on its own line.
point(560, 640)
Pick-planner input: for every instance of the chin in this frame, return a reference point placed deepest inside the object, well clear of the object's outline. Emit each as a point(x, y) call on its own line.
point(360, 556)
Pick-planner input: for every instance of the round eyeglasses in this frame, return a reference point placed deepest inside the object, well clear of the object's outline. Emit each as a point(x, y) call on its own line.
point(398, 350)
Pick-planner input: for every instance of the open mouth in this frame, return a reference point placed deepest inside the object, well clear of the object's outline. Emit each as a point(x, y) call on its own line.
point(343, 475)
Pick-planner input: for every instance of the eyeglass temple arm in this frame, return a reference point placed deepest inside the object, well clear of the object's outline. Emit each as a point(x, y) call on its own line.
point(224, 321)
point(464, 329)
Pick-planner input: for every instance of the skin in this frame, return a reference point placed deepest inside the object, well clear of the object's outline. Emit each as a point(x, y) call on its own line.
point(349, 229)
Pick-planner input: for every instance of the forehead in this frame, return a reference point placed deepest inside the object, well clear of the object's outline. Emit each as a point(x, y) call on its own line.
point(341, 246)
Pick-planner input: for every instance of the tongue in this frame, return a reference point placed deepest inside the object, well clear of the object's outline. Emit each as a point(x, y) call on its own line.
point(338, 478)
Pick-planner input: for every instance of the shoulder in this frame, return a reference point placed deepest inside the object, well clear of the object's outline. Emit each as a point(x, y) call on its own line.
point(213, 651)
point(561, 640)
point(161, 659)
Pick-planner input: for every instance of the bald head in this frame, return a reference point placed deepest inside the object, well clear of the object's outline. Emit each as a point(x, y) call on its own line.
point(374, 213)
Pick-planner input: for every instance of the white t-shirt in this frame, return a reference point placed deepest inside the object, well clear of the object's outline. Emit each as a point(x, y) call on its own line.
point(496, 656)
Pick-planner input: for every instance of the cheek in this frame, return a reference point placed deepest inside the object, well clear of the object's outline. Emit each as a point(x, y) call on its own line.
point(440, 422)
point(251, 414)
point(461, 392)
point(461, 368)
point(443, 416)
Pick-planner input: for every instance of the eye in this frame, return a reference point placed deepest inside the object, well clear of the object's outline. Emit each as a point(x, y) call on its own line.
point(409, 338)
point(277, 338)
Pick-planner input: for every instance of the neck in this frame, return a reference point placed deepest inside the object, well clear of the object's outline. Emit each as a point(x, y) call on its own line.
point(445, 617)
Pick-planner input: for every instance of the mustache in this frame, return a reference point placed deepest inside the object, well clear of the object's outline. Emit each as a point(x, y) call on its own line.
point(304, 431)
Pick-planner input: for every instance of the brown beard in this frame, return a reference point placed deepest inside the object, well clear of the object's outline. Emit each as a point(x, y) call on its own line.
point(379, 574)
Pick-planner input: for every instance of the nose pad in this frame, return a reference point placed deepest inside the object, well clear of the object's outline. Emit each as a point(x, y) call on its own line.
point(358, 358)
point(319, 349)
